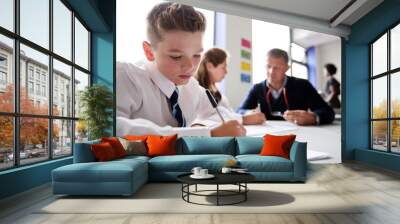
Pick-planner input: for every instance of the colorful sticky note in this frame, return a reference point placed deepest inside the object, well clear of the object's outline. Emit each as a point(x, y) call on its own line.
point(246, 54)
point(245, 66)
point(245, 77)
point(246, 43)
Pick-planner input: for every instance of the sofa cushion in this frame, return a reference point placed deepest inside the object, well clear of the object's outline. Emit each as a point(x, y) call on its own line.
point(198, 145)
point(185, 163)
point(257, 163)
point(112, 171)
point(93, 172)
point(249, 145)
point(83, 152)
point(131, 158)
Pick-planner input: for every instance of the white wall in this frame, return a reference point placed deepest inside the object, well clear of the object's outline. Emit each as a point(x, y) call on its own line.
point(328, 53)
point(236, 28)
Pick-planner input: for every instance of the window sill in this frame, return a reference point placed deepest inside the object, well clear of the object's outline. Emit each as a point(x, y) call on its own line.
point(26, 167)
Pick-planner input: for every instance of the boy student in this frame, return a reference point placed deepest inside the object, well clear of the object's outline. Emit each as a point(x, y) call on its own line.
point(160, 96)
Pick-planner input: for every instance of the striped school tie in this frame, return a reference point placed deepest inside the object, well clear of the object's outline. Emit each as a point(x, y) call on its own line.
point(175, 109)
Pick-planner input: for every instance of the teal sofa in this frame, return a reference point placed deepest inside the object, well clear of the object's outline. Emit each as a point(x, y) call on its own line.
point(125, 176)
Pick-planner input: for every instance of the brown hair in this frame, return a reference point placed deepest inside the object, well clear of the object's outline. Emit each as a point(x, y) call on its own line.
point(215, 56)
point(170, 16)
point(278, 53)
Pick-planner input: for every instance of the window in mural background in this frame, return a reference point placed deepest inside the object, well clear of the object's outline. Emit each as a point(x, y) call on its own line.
point(385, 97)
point(45, 131)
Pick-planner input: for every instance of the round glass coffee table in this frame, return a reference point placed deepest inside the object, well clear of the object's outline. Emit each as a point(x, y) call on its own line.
point(238, 179)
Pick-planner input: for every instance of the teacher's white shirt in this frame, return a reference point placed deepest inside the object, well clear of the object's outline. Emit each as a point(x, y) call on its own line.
point(142, 104)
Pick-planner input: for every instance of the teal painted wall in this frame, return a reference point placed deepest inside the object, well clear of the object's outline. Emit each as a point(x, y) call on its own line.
point(99, 15)
point(103, 60)
point(356, 85)
point(380, 159)
point(103, 53)
point(90, 12)
point(24, 178)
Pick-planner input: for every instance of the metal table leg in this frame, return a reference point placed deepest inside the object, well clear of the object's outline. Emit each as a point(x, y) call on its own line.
point(217, 194)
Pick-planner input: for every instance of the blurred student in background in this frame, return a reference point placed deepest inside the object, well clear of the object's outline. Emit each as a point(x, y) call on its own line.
point(212, 70)
point(332, 87)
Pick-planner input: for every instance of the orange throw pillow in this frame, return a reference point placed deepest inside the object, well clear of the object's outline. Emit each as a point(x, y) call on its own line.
point(161, 145)
point(116, 145)
point(103, 152)
point(277, 145)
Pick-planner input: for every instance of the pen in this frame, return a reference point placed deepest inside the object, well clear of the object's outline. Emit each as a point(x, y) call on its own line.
point(214, 104)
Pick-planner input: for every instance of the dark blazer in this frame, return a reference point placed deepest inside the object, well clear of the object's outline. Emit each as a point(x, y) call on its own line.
point(300, 94)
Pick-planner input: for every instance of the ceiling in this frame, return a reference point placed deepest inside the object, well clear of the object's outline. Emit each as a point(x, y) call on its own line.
point(321, 9)
point(306, 38)
point(318, 9)
point(333, 17)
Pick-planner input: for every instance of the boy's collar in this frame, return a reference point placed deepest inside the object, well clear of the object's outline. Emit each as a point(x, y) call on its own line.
point(165, 85)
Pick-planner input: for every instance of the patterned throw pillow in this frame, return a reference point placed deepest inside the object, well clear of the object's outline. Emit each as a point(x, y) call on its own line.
point(134, 147)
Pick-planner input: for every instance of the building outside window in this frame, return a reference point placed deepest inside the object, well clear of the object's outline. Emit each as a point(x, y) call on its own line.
point(44, 77)
point(3, 61)
point(43, 90)
point(3, 78)
point(38, 89)
point(55, 96)
point(30, 72)
point(3, 72)
point(37, 75)
point(3, 81)
point(30, 87)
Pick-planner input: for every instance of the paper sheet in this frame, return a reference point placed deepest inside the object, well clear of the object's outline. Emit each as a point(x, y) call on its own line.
point(269, 128)
point(314, 155)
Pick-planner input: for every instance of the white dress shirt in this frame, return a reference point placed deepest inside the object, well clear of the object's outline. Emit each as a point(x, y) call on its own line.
point(277, 93)
point(224, 102)
point(143, 107)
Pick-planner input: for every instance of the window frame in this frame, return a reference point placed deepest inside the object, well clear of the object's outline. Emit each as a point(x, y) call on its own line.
point(388, 74)
point(294, 61)
point(16, 114)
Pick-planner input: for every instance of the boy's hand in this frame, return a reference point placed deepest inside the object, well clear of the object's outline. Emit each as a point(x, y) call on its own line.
point(254, 118)
point(229, 128)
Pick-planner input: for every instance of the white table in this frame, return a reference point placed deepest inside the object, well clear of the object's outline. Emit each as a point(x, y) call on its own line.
point(320, 139)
